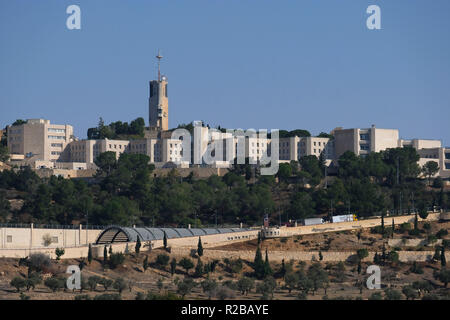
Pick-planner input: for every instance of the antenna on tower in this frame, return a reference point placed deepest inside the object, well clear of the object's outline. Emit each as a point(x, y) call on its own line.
point(159, 57)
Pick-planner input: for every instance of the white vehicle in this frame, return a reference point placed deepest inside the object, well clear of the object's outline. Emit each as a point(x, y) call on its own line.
point(343, 218)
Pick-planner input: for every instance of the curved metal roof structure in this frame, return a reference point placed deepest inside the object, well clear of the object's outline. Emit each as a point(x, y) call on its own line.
point(126, 234)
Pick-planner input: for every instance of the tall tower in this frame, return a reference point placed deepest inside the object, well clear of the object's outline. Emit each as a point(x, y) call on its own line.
point(158, 103)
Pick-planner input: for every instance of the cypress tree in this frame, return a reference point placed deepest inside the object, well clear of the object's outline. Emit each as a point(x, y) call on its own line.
point(443, 260)
point(145, 265)
point(259, 238)
point(89, 257)
point(376, 258)
point(137, 248)
point(199, 268)
point(105, 255)
point(393, 229)
point(173, 266)
point(165, 240)
point(258, 264)
point(267, 268)
point(199, 247)
point(110, 250)
point(382, 223)
point(415, 222)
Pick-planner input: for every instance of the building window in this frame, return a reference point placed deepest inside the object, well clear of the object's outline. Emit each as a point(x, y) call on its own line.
point(9, 239)
point(364, 147)
point(364, 136)
point(57, 130)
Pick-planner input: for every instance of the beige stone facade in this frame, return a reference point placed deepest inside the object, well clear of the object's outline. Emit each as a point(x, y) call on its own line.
point(38, 139)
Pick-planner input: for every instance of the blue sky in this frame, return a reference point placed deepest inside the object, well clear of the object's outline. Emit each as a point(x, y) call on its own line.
point(309, 64)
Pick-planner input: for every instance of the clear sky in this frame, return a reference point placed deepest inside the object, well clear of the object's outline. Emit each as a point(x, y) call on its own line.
point(307, 64)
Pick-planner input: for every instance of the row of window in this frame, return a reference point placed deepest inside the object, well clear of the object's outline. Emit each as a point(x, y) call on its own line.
point(56, 130)
point(57, 137)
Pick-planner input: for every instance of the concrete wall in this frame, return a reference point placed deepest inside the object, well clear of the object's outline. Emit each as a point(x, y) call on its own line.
point(26, 238)
point(343, 226)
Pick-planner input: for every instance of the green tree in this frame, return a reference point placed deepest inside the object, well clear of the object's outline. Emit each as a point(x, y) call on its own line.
point(106, 283)
point(89, 257)
point(245, 285)
point(145, 263)
point(444, 276)
point(410, 293)
point(18, 283)
point(209, 287)
point(120, 285)
point(429, 169)
point(116, 259)
point(137, 248)
point(291, 280)
point(4, 154)
point(185, 287)
point(59, 252)
point(165, 240)
point(318, 276)
point(173, 266)
point(105, 256)
point(186, 264)
point(198, 268)
point(443, 260)
point(162, 260)
point(258, 264)
point(54, 283)
point(267, 269)
point(267, 287)
point(392, 294)
point(199, 247)
point(362, 253)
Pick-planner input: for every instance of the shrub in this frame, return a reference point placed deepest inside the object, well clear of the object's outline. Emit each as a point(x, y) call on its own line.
point(185, 287)
point(209, 287)
point(414, 232)
point(162, 260)
point(18, 283)
point(404, 227)
point(410, 293)
point(39, 262)
point(441, 233)
point(224, 293)
point(93, 281)
point(245, 285)
point(83, 297)
point(116, 259)
point(106, 283)
point(362, 253)
point(108, 296)
point(55, 283)
point(375, 296)
point(391, 294)
point(59, 253)
point(186, 264)
point(120, 285)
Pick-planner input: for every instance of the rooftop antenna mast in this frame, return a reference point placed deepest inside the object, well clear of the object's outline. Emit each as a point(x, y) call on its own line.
point(159, 57)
